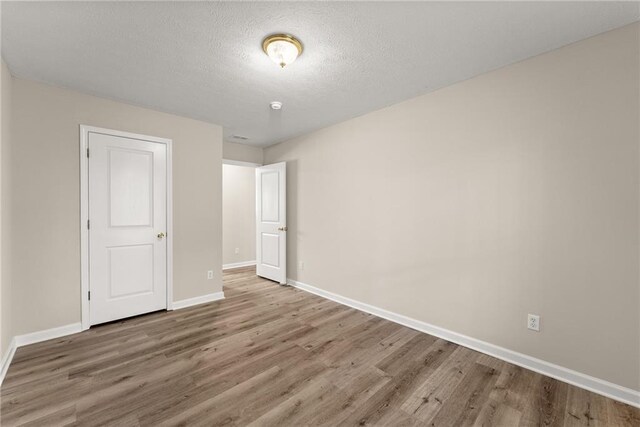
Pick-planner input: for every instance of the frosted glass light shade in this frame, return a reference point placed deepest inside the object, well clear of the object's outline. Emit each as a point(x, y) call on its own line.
point(283, 49)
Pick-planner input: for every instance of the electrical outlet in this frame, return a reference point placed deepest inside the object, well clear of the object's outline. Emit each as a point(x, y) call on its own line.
point(237, 250)
point(210, 274)
point(533, 322)
point(301, 265)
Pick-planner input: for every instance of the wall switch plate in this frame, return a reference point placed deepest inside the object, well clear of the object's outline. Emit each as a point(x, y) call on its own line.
point(237, 250)
point(301, 265)
point(533, 322)
point(210, 274)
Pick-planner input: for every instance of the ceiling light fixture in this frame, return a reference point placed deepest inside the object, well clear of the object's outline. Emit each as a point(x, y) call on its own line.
point(283, 49)
point(276, 105)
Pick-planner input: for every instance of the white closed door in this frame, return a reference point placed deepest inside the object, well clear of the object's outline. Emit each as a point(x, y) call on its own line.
point(271, 218)
point(127, 226)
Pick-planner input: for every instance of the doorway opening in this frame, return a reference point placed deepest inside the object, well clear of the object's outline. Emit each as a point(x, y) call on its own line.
point(238, 214)
point(254, 218)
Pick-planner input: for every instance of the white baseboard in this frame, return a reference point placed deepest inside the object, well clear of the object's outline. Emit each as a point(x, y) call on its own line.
point(596, 385)
point(32, 338)
point(6, 360)
point(48, 334)
point(238, 264)
point(177, 305)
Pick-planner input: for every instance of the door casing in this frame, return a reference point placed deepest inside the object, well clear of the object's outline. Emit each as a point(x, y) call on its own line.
point(84, 213)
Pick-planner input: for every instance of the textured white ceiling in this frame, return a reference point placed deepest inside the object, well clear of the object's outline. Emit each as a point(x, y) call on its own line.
point(204, 60)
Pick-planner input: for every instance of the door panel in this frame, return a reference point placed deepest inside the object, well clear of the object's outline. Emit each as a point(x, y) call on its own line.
point(130, 271)
point(269, 203)
point(271, 222)
point(270, 249)
point(130, 187)
point(127, 213)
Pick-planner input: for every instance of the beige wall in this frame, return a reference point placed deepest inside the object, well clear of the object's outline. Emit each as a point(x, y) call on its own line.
point(242, 153)
point(514, 192)
point(46, 206)
point(5, 211)
point(238, 214)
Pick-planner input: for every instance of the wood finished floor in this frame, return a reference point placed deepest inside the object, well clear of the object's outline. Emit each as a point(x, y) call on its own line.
point(276, 356)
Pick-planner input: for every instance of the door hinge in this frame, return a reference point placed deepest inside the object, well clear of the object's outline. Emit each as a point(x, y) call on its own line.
point(88, 225)
point(89, 295)
point(87, 153)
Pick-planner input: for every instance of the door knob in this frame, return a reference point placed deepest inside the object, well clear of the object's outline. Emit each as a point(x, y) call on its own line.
point(160, 235)
point(283, 228)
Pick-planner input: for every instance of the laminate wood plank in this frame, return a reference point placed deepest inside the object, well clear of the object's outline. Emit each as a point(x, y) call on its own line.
point(419, 346)
point(477, 386)
point(274, 355)
point(417, 366)
point(583, 410)
point(207, 386)
point(427, 399)
point(350, 367)
point(358, 391)
point(52, 368)
point(621, 414)
point(497, 414)
point(302, 408)
point(246, 401)
point(62, 417)
point(550, 401)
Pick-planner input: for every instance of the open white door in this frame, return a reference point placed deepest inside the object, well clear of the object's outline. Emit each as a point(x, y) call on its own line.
point(271, 218)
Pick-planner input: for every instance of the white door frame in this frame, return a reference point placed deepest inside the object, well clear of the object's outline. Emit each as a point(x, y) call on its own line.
point(84, 213)
point(241, 163)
